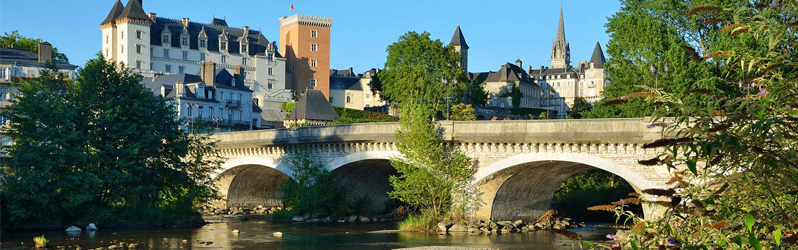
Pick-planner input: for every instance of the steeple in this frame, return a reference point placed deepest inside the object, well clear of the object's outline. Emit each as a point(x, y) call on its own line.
point(460, 45)
point(560, 50)
point(134, 10)
point(115, 12)
point(598, 57)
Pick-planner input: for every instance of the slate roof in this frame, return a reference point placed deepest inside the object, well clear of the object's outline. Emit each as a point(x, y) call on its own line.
point(168, 82)
point(508, 73)
point(341, 82)
point(458, 39)
point(313, 106)
point(598, 59)
point(344, 73)
point(27, 58)
point(258, 44)
point(224, 80)
point(115, 12)
point(133, 10)
point(548, 71)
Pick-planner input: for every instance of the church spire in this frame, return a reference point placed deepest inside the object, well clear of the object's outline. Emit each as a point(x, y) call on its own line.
point(560, 50)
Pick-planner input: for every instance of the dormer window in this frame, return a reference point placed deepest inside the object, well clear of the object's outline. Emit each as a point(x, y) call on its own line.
point(184, 41)
point(165, 40)
point(202, 43)
point(243, 48)
point(223, 46)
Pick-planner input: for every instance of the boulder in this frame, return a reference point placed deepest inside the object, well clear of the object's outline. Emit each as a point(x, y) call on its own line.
point(341, 220)
point(442, 227)
point(73, 229)
point(133, 246)
point(458, 228)
point(297, 218)
point(91, 226)
point(352, 218)
point(364, 219)
point(518, 223)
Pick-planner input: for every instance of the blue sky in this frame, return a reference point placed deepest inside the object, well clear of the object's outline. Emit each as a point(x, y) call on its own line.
point(496, 31)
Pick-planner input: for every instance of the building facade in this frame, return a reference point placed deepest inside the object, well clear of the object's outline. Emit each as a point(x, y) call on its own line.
point(500, 85)
point(150, 45)
point(17, 65)
point(305, 41)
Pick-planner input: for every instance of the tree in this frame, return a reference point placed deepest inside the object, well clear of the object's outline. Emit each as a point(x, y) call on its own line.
point(515, 95)
point(669, 56)
point(105, 150)
point(16, 41)
point(421, 70)
point(580, 105)
point(431, 178)
point(476, 94)
point(732, 160)
point(463, 112)
point(311, 189)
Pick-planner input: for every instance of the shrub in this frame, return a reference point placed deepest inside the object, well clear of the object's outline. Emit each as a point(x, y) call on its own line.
point(281, 215)
point(417, 222)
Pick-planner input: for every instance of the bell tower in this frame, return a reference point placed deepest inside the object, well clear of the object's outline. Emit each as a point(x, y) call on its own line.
point(560, 50)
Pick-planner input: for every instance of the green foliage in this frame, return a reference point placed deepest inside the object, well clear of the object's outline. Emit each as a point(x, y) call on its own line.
point(515, 95)
point(543, 115)
point(281, 215)
point(431, 179)
point(735, 162)
point(104, 149)
point(580, 106)
point(463, 112)
point(16, 41)
point(476, 94)
point(349, 116)
point(591, 188)
point(288, 106)
point(41, 240)
point(418, 222)
point(419, 70)
point(311, 189)
point(671, 39)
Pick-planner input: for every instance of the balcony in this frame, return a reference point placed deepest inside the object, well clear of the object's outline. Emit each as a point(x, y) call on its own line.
point(233, 104)
point(230, 124)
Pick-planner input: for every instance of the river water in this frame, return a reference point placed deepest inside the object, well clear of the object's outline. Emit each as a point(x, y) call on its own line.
point(258, 234)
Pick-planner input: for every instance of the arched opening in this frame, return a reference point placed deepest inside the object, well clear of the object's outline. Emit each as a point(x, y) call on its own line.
point(365, 185)
point(249, 186)
point(591, 188)
point(524, 188)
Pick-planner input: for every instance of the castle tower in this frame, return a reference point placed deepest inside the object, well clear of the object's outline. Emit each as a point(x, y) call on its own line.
point(126, 35)
point(560, 50)
point(305, 42)
point(459, 44)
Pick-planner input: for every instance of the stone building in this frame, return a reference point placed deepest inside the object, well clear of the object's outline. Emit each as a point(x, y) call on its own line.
point(215, 96)
point(500, 83)
point(346, 89)
point(151, 45)
point(17, 65)
point(305, 40)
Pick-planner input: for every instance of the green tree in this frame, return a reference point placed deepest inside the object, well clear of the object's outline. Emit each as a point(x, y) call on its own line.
point(476, 95)
point(515, 95)
point(105, 150)
point(431, 179)
point(463, 112)
point(16, 41)
point(733, 160)
point(311, 189)
point(669, 56)
point(420, 70)
point(580, 106)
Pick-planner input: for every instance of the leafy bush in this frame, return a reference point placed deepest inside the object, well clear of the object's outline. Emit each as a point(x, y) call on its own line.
point(311, 190)
point(349, 116)
point(587, 189)
point(281, 215)
point(418, 222)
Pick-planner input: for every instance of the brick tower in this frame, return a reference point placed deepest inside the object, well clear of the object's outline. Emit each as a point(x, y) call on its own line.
point(305, 43)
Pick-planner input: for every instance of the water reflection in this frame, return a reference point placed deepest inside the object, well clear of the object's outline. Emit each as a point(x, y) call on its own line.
point(258, 234)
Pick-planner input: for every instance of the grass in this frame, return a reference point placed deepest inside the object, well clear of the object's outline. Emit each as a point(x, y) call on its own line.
point(41, 241)
point(281, 215)
point(417, 223)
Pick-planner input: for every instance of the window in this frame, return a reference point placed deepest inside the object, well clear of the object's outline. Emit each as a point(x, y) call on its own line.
point(123, 49)
point(314, 33)
point(138, 34)
point(244, 61)
point(243, 48)
point(184, 41)
point(202, 43)
point(313, 63)
point(581, 84)
point(223, 46)
point(106, 39)
point(3, 73)
point(224, 59)
point(331, 99)
point(165, 40)
point(313, 82)
point(210, 111)
point(581, 92)
point(168, 68)
point(221, 97)
point(348, 99)
point(122, 36)
point(240, 96)
point(185, 55)
point(138, 48)
point(150, 65)
point(271, 71)
point(138, 64)
point(181, 69)
point(202, 57)
point(166, 53)
point(271, 83)
point(106, 53)
point(314, 47)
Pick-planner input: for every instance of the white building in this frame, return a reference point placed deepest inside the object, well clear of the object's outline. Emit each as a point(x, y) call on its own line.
point(17, 65)
point(152, 45)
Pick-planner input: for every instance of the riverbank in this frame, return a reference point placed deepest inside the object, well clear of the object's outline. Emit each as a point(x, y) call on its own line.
point(189, 223)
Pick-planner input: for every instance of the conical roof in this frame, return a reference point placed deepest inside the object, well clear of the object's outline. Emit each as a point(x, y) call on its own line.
point(458, 39)
point(134, 10)
point(115, 12)
point(598, 57)
point(313, 106)
point(561, 28)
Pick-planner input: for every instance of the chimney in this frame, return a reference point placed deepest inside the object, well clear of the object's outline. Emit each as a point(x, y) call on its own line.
point(208, 73)
point(351, 71)
point(163, 90)
point(239, 75)
point(184, 21)
point(518, 63)
point(178, 89)
point(45, 52)
point(152, 15)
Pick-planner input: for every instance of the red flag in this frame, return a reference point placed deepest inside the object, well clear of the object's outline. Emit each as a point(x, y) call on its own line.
point(292, 6)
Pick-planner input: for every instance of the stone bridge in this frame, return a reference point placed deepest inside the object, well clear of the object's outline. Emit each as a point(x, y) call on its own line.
point(520, 163)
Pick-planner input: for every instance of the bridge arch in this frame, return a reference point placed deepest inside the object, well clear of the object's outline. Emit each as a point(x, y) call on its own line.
point(251, 181)
point(522, 186)
point(363, 177)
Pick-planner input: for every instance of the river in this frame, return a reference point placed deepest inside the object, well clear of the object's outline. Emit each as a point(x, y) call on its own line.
point(258, 234)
